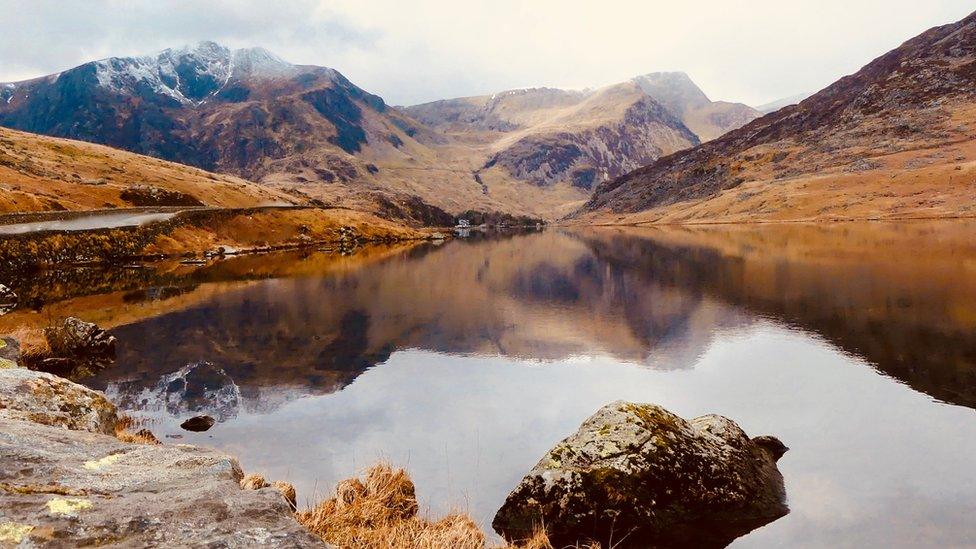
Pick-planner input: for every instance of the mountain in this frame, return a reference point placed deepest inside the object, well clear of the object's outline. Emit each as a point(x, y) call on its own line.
point(568, 141)
point(774, 106)
point(246, 112)
point(893, 140)
point(309, 132)
point(680, 95)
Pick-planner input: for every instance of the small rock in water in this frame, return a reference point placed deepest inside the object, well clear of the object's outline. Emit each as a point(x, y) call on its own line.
point(8, 300)
point(198, 424)
point(636, 475)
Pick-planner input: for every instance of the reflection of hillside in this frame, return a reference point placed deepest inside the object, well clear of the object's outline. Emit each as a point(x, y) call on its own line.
point(543, 296)
point(903, 296)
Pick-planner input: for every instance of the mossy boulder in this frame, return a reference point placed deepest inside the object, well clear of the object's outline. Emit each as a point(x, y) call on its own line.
point(637, 475)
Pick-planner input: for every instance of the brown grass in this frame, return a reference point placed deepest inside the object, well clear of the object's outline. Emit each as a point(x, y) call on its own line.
point(126, 431)
point(380, 510)
point(32, 341)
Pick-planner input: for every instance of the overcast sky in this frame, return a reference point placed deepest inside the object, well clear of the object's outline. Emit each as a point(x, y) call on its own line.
point(410, 51)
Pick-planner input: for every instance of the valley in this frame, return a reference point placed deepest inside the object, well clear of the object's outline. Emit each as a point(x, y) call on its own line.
point(306, 133)
point(756, 324)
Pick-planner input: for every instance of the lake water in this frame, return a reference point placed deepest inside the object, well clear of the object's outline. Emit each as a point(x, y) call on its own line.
point(88, 222)
point(465, 362)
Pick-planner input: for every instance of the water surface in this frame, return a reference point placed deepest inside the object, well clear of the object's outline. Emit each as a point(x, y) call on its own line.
point(88, 222)
point(466, 362)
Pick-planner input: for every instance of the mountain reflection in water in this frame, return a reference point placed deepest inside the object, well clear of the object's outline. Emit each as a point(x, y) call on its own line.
point(466, 362)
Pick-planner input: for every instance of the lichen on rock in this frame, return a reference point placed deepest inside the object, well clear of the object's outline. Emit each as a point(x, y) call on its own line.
point(50, 400)
point(637, 475)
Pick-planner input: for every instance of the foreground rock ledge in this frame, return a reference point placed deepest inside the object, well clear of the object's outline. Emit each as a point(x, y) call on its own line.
point(65, 483)
point(636, 475)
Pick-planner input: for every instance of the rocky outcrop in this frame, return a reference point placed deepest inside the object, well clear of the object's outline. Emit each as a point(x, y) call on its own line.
point(75, 486)
point(636, 475)
point(77, 347)
point(587, 154)
point(148, 195)
point(50, 400)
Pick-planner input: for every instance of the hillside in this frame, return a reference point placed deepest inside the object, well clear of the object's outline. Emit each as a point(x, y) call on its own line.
point(40, 173)
point(569, 141)
point(546, 148)
point(302, 129)
point(893, 140)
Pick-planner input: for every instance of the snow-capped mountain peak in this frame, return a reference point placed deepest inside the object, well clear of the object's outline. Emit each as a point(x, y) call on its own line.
point(189, 74)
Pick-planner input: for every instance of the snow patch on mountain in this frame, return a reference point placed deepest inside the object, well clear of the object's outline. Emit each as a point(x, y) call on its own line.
point(190, 74)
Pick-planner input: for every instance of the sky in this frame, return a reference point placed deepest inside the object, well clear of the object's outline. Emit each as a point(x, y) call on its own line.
point(412, 51)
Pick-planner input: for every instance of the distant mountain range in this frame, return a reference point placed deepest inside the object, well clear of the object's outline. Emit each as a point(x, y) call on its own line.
point(309, 131)
point(895, 139)
point(774, 106)
point(550, 137)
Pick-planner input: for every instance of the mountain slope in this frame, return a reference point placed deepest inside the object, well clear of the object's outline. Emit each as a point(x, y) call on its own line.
point(894, 139)
point(40, 173)
point(246, 112)
point(569, 141)
point(680, 95)
point(561, 141)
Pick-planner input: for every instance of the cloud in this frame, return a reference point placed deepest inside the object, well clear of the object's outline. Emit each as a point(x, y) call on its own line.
point(420, 50)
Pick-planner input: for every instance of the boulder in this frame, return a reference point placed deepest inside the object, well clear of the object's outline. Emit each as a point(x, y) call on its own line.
point(637, 475)
point(78, 348)
point(8, 300)
point(51, 400)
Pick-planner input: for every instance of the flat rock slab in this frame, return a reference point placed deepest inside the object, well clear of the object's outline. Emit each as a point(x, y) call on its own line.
point(63, 488)
point(65, 481)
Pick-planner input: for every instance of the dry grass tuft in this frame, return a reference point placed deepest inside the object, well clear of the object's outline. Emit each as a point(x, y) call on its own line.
point(254, 482)
point(287, 490)
point(380, 510)
point(32, 341)
point(125, 431)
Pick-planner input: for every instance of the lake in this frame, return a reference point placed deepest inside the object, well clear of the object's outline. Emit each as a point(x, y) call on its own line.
point(465, 362)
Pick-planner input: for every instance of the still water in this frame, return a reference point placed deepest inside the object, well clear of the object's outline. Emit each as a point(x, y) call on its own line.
point(465, 362)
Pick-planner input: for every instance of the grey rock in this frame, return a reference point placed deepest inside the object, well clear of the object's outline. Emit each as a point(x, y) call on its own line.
point(637, 475)
point(65, 488)
point(50, 400)
point(63, 483)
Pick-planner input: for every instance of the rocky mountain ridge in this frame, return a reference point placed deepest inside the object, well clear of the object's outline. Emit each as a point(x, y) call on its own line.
point(910, 108)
